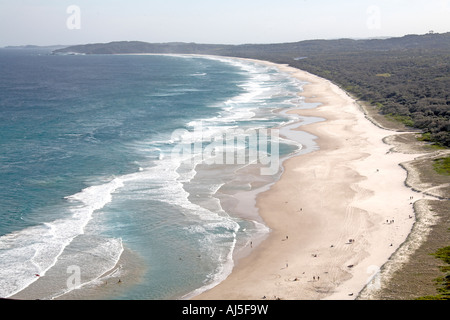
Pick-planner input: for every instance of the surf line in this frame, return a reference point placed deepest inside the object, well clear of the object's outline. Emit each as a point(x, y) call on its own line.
point(229, 147)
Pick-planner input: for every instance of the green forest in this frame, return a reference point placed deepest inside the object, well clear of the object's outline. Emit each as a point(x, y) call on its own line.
point(407, 78)
point(410, 86)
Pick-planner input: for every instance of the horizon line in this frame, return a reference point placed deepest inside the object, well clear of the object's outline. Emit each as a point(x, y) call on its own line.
point(241, 44)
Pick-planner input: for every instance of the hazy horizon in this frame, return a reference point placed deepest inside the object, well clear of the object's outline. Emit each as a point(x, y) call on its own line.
point(72, 22)
point(126, 40)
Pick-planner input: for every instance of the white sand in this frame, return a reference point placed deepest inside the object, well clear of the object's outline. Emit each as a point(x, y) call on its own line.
point(352, 188)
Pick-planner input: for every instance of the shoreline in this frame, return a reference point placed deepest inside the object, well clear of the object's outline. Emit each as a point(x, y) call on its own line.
point(122, 275)
point(336, 215)
point(352, 187)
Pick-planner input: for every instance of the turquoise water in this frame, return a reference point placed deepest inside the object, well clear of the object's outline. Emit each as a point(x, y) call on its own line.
point(88, 167)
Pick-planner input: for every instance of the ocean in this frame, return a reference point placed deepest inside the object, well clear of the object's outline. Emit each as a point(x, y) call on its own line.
point(154, 157)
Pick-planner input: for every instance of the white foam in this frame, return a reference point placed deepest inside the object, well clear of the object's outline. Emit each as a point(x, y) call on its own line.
point(108, 252)
point(35, 250)
point(169, 176)
point(259, 89)
point(29, 254)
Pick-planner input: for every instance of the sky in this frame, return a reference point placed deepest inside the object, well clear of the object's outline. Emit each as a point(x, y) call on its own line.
point(69, 22)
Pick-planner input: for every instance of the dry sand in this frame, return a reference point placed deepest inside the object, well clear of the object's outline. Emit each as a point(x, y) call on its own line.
point(336, 215)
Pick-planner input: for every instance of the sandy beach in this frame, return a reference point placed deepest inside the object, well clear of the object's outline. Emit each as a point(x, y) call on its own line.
point(336, 215)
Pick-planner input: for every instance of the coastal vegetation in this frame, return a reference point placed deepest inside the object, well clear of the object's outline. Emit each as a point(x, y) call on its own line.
point(442, 282)
point(442, 166)
point(406, 79)
point(407, 86)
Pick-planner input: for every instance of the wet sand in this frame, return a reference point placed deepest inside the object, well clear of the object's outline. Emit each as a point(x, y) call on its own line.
point(336, 215)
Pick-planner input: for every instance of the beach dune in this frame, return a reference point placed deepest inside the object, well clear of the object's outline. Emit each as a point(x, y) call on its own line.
point(336, 215)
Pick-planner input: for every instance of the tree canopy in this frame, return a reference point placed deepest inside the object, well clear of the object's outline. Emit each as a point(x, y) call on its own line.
point(407, 78)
